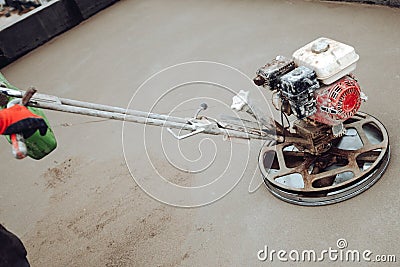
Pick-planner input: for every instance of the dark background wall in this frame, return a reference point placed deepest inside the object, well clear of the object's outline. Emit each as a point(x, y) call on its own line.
point(44, 23)
point(394, 3)
point(91, 7)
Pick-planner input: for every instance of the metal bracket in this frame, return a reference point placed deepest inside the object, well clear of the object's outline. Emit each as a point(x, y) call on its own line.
point(34, 98)
point(240, 100)
point(201, 125)
point(180, 137)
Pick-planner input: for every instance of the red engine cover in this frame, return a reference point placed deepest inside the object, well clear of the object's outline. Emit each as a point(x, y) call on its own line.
point(337, 102)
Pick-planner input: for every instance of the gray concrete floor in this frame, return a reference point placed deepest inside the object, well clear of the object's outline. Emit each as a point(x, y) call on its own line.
point(80, 206)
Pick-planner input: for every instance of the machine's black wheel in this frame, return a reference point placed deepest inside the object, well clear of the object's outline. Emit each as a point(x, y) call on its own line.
point(353, 164)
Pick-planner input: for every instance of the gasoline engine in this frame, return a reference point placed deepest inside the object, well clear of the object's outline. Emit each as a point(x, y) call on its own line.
point(317, 87)
point(330, 150)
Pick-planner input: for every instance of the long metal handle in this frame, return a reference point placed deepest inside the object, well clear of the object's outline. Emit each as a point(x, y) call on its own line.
point(77, 103)
point(129, 115)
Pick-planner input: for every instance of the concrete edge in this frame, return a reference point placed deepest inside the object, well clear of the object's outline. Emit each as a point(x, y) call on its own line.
point(44, 23)
point(390, 3)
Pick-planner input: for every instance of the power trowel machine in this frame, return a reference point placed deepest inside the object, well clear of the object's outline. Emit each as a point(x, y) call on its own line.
point(321, 151)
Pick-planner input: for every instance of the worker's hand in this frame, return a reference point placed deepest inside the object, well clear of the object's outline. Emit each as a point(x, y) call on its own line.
point(18, 119)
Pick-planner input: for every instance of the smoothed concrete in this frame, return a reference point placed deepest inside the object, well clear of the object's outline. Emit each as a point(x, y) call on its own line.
point(80, 207)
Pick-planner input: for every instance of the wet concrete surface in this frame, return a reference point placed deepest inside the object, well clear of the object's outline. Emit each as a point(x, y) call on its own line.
point(80, 206)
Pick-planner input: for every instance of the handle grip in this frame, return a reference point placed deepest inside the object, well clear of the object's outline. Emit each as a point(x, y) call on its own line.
point(19, 149)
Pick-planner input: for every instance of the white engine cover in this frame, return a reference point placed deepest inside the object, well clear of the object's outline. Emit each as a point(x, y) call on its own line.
point(331, 60)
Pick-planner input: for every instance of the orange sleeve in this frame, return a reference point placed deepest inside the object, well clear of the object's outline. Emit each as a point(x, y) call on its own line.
point(14, 114)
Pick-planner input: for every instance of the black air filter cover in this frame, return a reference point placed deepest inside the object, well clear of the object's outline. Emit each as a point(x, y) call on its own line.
point(298, 88)
point(269, 74)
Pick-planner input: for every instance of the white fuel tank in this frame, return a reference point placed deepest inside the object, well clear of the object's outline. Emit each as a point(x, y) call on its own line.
point(331, 60)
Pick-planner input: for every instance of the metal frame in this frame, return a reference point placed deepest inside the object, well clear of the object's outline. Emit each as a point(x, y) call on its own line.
point(319, 181)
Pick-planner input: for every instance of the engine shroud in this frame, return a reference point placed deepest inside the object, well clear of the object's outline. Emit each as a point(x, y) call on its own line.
point(338, 102)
